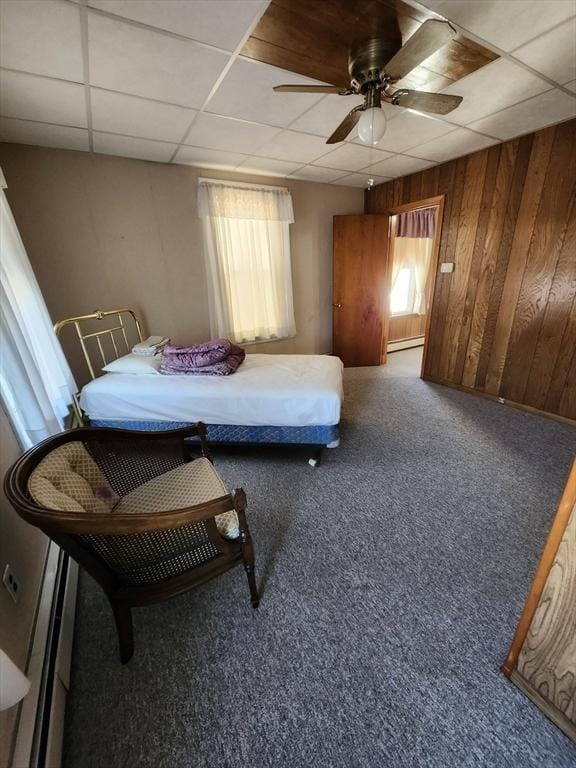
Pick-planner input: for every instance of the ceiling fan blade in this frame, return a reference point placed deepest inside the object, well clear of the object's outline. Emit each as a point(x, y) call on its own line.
point(431, 36)
point(309, 89)
point(346, 125)
point(436, 103)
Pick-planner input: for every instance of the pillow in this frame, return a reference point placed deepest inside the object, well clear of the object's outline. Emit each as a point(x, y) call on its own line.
point(69, 480)
point(139, 364)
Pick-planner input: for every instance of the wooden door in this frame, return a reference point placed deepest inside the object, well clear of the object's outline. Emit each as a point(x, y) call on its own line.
point(360, 289)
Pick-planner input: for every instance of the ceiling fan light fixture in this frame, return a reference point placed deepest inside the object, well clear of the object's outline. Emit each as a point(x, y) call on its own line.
point(372, 125)
point(376, 64)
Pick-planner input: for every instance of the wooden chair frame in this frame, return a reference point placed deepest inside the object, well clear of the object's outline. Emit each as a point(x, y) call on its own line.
point(65, 528)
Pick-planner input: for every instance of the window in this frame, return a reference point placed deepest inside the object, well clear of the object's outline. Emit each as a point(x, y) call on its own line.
point(247, 251)
point(403, 292)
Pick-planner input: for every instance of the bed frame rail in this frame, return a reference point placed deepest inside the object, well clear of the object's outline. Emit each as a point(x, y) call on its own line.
point(95, 356)
point(81, 320)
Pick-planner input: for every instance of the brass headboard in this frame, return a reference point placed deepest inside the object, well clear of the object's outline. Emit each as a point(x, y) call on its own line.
point(117, 344)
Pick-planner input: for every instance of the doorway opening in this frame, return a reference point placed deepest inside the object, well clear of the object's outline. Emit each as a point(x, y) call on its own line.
point(413, 258)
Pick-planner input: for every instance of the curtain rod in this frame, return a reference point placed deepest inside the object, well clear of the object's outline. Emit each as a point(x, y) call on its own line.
point(417, 208)
point(226, 183)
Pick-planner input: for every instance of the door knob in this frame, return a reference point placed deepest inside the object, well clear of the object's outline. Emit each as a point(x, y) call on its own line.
point(337, 306)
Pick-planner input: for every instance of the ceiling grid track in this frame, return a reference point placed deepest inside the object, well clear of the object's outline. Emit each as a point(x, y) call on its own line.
point(230, 62)
point(86, 71)
point(508, 55)
point(234, 54)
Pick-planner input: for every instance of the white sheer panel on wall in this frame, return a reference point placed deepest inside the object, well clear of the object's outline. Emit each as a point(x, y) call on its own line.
point(35, 380)
point(415, 254)
point(247, 251)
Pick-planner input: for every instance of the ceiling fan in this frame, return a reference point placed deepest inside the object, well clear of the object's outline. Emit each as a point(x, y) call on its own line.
point(374, 66)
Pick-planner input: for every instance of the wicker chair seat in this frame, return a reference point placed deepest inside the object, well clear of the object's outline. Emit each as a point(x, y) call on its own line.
point(186, 486)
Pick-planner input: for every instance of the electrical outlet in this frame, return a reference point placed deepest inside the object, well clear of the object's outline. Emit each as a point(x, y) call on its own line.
point(11, 583)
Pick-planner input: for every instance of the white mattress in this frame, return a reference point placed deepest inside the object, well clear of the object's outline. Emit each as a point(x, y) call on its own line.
point(276, 390)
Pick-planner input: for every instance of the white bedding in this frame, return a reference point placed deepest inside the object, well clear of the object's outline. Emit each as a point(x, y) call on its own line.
point(276, 390)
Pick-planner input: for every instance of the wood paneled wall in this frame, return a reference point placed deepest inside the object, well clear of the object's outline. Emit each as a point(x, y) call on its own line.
point(504, 322)
point(406, 327)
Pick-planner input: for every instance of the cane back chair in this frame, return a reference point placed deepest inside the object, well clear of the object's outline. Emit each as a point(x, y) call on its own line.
point(143, 517)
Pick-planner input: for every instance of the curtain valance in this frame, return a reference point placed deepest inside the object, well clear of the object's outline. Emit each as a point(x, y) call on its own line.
point(250, 202)
point(419, 223)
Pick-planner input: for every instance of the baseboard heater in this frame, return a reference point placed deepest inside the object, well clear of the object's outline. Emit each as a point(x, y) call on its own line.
point(396, 346)
point(38, 740)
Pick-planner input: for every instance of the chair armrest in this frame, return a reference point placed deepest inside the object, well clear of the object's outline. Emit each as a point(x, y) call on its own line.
point(161, 521)
point(75, 523)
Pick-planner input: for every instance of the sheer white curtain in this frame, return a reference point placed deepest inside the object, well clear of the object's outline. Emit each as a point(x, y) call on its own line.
point(247, 252)
point(414, 253)
point(422, 256)
point(36, 383)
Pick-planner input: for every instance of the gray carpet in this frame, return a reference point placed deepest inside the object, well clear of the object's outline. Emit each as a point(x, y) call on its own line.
point(392, 576)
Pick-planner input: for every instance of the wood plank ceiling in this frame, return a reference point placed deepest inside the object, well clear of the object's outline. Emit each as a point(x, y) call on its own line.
point(504, 322)
point(312, 38)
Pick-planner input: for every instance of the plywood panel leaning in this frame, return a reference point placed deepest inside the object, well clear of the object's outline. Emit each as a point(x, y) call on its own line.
point(542, 657)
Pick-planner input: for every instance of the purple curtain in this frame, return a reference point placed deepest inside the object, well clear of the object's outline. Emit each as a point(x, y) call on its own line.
point(419, 223)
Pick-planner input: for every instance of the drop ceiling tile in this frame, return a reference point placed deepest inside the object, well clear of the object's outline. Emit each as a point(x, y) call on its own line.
point(314, 173)
point(140, 149)
point(246, 92)
point(553, 54)
point(325, 116)
point(551, 107)
point(454, 144)
point(504, 23)
point(297, 147)
point(228, 134)
point(142, 62)
point(352, 157)
point(41, 36)
point(223, 23)
point(118, 113)
point(400, 165)
point(359, 180)
point(43, 134)
point(208, 158)
point(496, 86)
point(409, 130)
point(268, 167)
point(38, 98)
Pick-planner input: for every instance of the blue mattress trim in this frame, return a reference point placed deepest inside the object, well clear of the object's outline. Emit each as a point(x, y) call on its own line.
point(235, 433)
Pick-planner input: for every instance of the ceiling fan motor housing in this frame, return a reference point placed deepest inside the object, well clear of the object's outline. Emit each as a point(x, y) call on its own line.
point(367, 61)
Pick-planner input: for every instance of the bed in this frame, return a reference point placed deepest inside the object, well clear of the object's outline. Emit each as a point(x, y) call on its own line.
point(271, 399)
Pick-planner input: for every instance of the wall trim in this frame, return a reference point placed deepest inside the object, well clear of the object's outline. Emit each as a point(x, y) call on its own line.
point(501, 400)
point(33, 729)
